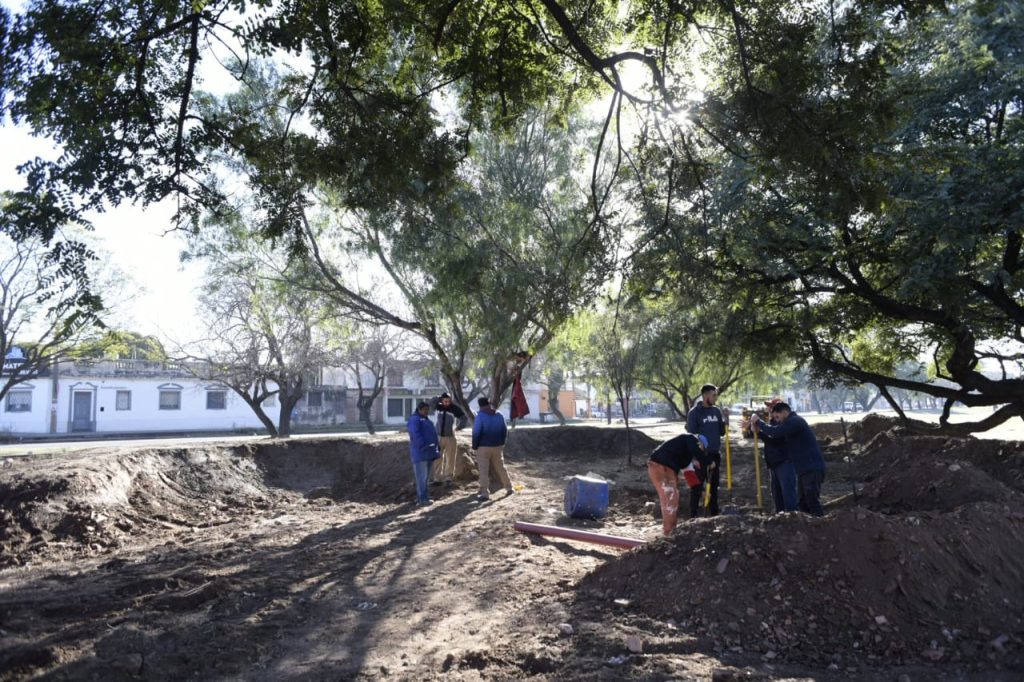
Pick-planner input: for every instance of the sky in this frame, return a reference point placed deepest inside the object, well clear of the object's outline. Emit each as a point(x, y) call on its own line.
point(139, 245)
point(137, 239)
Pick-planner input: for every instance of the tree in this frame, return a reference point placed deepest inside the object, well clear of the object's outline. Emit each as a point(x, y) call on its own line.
point(490, 275)
point(120, 344)
point(858, 164)
point(265, 338)
point(616, 340)
point(263, 342)
point(121, 95)
point(42, 316)
point(367, 351)
point(859, 172)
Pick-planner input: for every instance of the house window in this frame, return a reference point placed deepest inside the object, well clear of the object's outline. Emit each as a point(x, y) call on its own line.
point(315, 399)
point(395, 378)
point(395, 406)
point(19, 401)
point(123, 401)
point(170, 400)
point(434, 380)
point(216, 400)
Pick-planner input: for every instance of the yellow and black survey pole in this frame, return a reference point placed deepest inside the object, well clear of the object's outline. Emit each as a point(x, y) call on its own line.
point(757, 470)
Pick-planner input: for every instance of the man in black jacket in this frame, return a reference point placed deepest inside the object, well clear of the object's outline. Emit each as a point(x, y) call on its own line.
point(664, 466)
point(707, 420)
point(450, 418)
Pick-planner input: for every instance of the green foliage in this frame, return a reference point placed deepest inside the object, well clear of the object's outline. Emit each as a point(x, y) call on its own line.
point(118, 344)
point(856, 179)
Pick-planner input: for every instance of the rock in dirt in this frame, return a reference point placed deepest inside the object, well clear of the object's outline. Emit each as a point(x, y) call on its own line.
point(565, 628)
point(635, 644)
point(999, 643)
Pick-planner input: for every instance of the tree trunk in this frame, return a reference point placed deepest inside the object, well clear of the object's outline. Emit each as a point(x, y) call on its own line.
point(554, 387)
point(624, 404)
point(257, 407)
point(871, 403)
point(268, 423)
point(288, 403)
point(553, 405)
point(365, 406)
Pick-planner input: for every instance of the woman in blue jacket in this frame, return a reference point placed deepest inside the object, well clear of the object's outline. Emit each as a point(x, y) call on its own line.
point(423, 449)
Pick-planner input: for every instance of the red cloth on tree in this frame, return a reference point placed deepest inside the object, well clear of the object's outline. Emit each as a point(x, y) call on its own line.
point(519, 407)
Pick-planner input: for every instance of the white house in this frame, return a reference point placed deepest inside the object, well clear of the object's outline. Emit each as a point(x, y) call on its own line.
point(136, 396)
point(124, 396)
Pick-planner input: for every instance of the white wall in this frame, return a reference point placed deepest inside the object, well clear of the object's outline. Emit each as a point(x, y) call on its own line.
point(37, 420)
point(145, 413)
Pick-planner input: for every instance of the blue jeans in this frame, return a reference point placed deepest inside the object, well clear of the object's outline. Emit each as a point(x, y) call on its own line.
point(784, 487)
point(420, 471)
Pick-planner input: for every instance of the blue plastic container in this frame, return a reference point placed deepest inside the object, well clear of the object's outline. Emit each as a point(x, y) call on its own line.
point(586, 497)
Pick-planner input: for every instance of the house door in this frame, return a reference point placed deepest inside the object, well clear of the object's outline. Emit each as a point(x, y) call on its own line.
point(81, 411)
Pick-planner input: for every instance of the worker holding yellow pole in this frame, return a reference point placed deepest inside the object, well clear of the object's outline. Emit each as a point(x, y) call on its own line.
point(706, 419)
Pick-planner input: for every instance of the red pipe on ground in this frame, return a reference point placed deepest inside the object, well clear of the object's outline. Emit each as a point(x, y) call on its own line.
point(575, 534)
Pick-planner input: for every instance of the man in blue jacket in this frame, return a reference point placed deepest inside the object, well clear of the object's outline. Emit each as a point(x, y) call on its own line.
point(803, 450)
point(423, 449)
point(780, 469)
point(706, 420)
point(489, 434)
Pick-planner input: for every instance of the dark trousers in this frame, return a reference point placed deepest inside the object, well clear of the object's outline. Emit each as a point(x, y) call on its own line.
point(809, 485)
point(784, 493)
point(697, 494)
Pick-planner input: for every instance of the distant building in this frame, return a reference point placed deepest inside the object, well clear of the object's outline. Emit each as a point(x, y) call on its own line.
point(137, 396)
point(124, 396)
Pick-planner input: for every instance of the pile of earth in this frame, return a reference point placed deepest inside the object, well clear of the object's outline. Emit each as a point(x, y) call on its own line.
point(942, 580)
point(863, 431)
point(96, 500)
point(582, 441)
point(914, 473)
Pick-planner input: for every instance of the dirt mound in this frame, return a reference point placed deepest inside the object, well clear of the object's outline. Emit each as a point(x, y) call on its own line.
point(915, 484)
point(585, 441)
point(856, 586)
point(888, 456)
point(861, 432)
point(97, 499)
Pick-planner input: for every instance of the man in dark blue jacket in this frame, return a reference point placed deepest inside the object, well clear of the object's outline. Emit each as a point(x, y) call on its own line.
point(780, 469)
point(706, 420)
point(489, 434)
point(423, 449)
point(803, 450)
